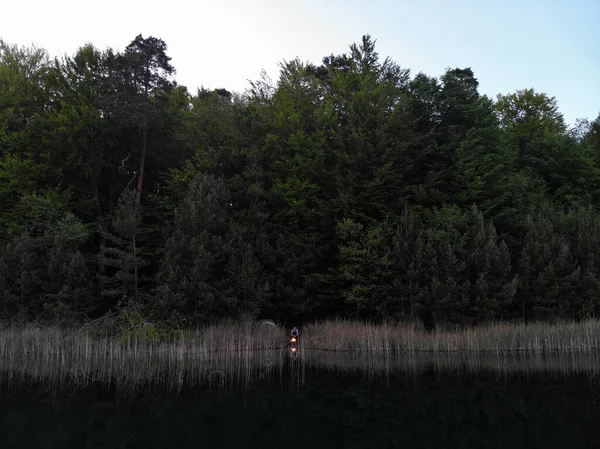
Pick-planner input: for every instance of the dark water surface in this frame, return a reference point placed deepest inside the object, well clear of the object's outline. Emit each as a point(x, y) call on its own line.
point(316, 401)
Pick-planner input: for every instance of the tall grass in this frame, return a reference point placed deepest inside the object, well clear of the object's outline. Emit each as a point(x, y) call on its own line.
point(210, 341)
point(345, 335)
point(221, 355)
point(377, 364)
point(56, 354)
point(231, 353)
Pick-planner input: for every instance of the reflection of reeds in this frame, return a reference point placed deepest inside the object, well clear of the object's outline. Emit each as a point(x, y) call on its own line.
point(374, 364)
point(342, 335)
point(218, 356)
point(57, 356)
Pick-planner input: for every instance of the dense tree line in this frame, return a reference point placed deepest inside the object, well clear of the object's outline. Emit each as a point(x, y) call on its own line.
point(347, 188)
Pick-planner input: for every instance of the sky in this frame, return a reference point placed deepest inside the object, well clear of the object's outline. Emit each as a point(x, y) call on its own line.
point(552, 46)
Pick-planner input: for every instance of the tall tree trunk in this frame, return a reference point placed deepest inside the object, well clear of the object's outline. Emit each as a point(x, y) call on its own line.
point(143, 159)
point(135, 267)
point(139, 197)
point(99, 217)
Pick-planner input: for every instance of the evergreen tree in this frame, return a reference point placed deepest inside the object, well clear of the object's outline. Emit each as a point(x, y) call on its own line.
point(345, 188)
point(118, 285)
point(192, 276)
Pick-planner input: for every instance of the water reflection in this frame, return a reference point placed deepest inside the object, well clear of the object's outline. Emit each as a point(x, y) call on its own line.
point(309, 399)
point(309, 404)
point(154, 370)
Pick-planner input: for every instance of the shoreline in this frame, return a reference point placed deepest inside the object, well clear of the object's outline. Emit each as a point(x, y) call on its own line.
point(327, 335)
point(235, 352)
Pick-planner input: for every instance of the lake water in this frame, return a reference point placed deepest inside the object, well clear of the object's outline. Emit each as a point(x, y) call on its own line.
point(317, 400)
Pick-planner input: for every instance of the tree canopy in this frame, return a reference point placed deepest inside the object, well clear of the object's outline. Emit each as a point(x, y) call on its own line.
point(349, 188)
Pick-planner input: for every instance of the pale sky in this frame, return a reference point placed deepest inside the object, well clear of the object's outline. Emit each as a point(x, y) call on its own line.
point(552, 45)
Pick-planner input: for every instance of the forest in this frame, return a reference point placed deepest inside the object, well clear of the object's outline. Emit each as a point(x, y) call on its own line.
point(353, 189)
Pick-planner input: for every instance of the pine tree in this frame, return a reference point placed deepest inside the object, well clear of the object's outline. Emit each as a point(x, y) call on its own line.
point(192, 281)
point(489, 271)
point(118, 285)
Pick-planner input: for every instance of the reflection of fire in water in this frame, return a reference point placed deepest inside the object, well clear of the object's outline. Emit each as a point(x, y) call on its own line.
point(294, 347)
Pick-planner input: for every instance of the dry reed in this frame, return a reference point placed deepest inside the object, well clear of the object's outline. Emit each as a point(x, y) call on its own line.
point(81, 356)
point(219, 355)
point(345, 335)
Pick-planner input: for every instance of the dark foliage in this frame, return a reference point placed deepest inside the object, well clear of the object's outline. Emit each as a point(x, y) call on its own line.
point(349, 188)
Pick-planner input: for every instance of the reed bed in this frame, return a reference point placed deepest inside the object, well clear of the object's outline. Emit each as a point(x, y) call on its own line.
point(272, 366)
point(345, 335)
point(81, 356)
point(227, 354)
point(207, 341)
point(523, 364)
